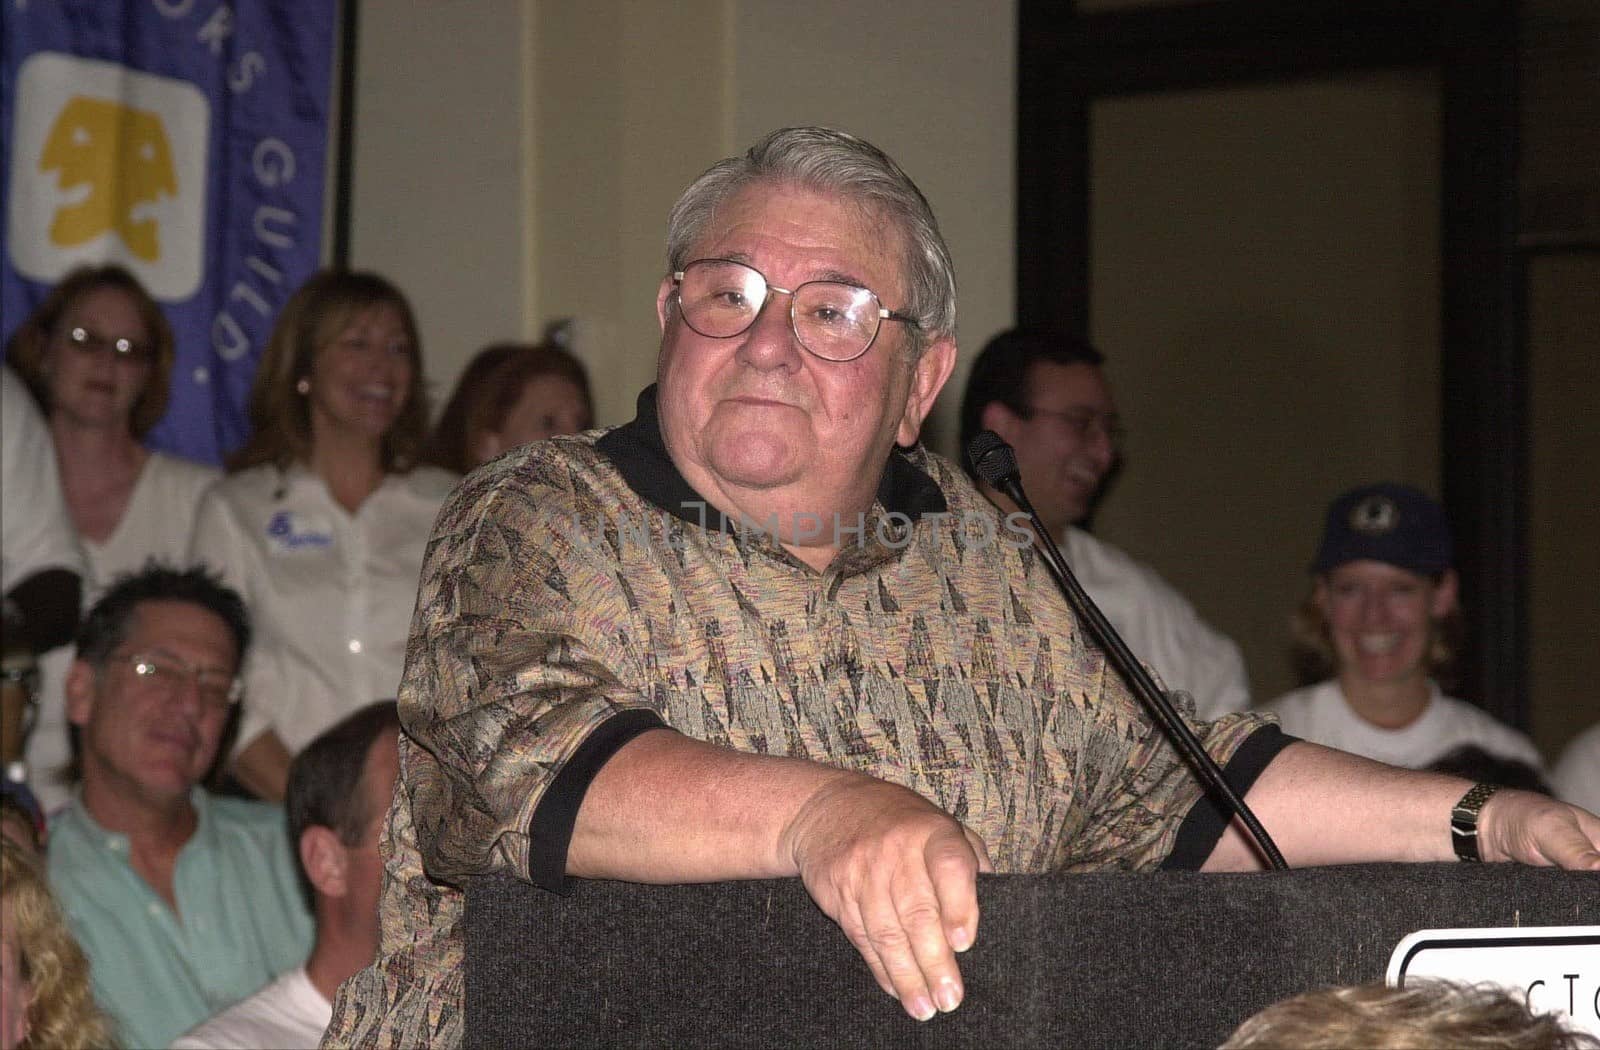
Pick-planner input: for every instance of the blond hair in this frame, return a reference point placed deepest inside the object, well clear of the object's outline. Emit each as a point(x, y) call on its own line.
point(63, 1013)
point(1420, 1016)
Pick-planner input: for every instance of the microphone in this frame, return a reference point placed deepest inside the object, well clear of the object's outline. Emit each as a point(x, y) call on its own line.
point(996, 463)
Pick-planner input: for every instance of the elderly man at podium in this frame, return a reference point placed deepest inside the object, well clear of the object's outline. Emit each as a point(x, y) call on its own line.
point(760, 632)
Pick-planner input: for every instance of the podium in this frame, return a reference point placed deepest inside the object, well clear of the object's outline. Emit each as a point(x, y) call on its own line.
point(1165, 959)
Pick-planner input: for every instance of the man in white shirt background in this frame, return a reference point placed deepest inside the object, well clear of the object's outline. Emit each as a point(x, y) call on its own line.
point(340, 788)
point(1046, 394)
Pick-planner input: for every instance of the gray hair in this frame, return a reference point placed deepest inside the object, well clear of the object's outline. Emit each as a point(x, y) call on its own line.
point(829, 160)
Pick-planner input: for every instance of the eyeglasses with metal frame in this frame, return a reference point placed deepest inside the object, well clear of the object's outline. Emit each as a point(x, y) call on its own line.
point(121, 347)
point(170, 672)
point(835, 320)
point(1083, 421)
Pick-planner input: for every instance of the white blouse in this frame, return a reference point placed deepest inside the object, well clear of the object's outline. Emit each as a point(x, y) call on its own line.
point(158, 522)
point(330, 593)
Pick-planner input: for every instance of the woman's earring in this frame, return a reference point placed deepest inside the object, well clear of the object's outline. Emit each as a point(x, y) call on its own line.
point(303, 386)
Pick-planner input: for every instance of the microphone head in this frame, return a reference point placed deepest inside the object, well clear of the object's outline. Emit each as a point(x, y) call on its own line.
point(993, 459)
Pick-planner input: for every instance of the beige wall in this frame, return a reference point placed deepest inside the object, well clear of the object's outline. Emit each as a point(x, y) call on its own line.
point(515, 159)
point(1265, 286)
point(934, 84)
point(438, 201)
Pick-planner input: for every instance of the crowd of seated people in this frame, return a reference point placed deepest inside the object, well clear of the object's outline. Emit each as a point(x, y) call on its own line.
point(289, 583)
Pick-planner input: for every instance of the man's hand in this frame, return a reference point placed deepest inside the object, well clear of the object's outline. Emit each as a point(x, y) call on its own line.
point(899, 876)
point(1532, 829)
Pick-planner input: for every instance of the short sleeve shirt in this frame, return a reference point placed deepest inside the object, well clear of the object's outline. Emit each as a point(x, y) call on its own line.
point(579, 592)
point(241, 919)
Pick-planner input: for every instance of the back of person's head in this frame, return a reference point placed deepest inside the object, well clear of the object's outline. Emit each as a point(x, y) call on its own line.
point(835, 162)
point(1424, 1015)
point(1471, 762)
point(489, 387)
point(50, 988)
point(319, 311)
point(325, 779)
point(29, 344)
point(1000, 373)
point(105, 626)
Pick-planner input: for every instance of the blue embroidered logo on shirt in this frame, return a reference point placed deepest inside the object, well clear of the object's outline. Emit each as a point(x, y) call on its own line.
point(283, 534)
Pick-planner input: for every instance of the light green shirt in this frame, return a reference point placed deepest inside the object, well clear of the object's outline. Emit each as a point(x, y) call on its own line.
point(241, 920)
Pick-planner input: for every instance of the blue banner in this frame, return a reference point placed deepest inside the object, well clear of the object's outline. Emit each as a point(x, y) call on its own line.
point(186, 140)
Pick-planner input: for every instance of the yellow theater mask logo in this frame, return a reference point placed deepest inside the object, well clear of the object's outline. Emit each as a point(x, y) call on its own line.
point(108, 164)
point(122, 156)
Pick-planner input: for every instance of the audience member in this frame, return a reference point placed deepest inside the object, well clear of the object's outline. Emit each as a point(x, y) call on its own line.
point(1471, 762)
point(322, 525)
point(340, 788)
point(1423, 1015)
point(1046, 394)
point(183, 902)
point(861, 691)
point(98, 356)
point(45, 1001)
point(41, 575)
point(508, 395)
point(1382, 620)
point(1577, 775)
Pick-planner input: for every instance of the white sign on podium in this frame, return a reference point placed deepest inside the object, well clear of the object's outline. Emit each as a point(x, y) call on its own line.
point(1557, 968)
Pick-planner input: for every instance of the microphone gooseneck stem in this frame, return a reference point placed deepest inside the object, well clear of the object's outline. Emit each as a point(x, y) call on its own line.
point(1138, 679)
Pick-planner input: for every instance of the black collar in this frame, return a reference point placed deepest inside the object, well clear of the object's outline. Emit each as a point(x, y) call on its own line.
point(640, 456)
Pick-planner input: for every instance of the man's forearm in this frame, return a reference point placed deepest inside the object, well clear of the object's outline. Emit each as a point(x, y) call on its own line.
point(668, 808)
point(1323, 806)
point(896, 873)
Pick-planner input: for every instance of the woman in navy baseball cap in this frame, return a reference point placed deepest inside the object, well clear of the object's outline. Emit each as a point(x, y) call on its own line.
point(1379, 630)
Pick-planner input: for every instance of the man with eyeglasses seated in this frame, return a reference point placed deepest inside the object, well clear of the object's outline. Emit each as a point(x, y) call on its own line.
point(183, 902)
point(1046, 394)
point(760, 632)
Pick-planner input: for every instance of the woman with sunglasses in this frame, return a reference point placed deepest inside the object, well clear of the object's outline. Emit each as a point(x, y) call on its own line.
point(97, 355)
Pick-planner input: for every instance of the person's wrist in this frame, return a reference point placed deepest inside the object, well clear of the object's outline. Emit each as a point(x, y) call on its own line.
point(1466, 822)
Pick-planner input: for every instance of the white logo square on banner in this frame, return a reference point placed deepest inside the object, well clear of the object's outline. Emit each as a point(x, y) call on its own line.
point(108, 165)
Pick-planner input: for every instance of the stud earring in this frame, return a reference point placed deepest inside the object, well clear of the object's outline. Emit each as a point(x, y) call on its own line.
point(303, 386)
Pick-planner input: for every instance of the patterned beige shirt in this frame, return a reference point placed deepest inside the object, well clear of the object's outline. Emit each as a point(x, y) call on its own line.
point(572, 598)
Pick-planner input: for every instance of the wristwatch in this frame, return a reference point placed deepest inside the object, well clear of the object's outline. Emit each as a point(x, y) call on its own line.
point(1464, 820)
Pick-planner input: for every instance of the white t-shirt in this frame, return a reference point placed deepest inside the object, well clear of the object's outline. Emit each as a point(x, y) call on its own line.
point(289, 1013)
point(1160, 625)
point(35, 530)
point(1320, 714)
point(158, 521)
point(330, 593)
point(1577, 775)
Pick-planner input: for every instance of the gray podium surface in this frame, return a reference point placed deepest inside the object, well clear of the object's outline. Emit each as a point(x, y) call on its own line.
point(1113, 960)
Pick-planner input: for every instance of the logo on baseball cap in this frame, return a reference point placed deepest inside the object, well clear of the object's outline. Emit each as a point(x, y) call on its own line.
point(1395, 524)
